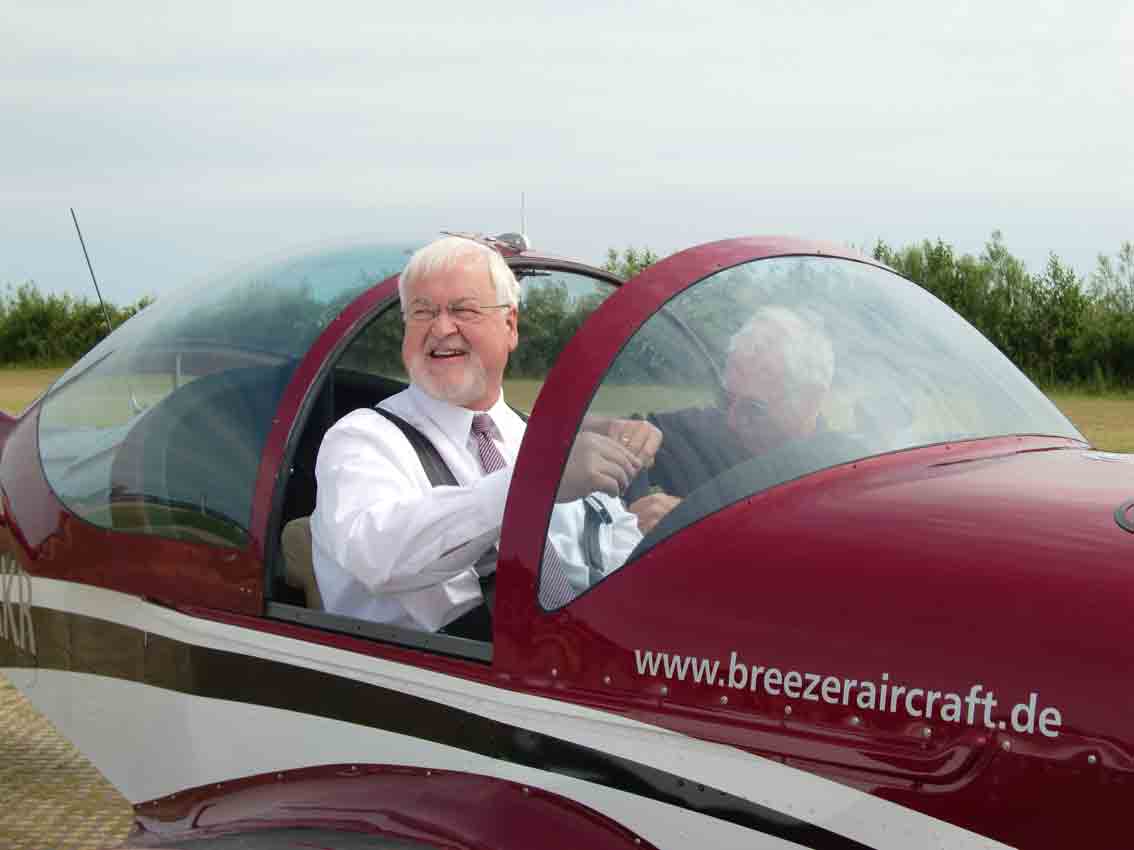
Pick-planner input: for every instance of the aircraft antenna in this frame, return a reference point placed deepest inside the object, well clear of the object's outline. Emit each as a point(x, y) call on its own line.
point(105, 312)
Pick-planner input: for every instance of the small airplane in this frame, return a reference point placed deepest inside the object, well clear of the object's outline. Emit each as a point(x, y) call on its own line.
point(909, 628)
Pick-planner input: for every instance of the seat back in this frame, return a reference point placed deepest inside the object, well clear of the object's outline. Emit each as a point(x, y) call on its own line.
point(299, 568)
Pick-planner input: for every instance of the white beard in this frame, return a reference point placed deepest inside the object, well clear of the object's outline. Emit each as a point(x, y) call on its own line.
point(471, 386)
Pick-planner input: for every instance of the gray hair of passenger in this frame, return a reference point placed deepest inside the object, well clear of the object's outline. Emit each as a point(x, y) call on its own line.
point(448, 251)
point(809, 359)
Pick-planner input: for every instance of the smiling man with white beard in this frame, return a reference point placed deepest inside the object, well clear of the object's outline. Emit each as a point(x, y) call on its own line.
point(391, 547)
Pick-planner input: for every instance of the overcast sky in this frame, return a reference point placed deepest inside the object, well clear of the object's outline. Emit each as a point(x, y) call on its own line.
point(202, 136)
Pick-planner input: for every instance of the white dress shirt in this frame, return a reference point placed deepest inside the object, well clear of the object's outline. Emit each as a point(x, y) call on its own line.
point(390, 547)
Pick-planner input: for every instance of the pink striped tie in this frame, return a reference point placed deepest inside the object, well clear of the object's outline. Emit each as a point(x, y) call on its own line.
point(554, 589)
point(490, 458)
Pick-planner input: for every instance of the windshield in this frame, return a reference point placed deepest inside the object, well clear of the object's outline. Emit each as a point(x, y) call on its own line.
point(777, 368)
point(160, 427)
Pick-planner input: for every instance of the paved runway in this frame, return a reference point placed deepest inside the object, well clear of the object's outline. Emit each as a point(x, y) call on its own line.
point(51, 798)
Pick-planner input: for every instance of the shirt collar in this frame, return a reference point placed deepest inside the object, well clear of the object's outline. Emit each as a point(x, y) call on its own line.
point(508, 423)
point(456, 422)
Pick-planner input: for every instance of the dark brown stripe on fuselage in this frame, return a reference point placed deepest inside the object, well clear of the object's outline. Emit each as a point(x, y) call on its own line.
point(82, 644)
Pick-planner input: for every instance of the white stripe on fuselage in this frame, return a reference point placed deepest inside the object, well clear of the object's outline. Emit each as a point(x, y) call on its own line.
point(171, 741)
point(846, 811)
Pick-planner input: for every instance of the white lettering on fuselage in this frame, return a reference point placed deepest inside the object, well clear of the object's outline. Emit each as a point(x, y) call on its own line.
point(15, 605)
point(975, 707)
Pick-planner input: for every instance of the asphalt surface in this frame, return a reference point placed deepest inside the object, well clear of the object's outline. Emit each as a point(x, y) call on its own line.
point(51, 798)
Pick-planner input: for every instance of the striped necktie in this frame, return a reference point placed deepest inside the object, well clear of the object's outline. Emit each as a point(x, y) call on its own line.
point(490, 458)
point(554, 589)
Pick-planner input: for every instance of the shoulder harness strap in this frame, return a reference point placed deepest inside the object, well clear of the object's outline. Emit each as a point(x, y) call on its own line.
point(436, 470)
point(438, 473)
point(477, 623)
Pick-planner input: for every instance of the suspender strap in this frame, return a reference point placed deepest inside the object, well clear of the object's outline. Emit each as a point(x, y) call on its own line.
point(595, 517)
point(436, 470)
point(477, 623)
point(439, 474)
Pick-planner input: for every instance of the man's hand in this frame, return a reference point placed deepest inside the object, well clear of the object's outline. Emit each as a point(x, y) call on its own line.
point(637, 435)
point(650, 509)
point(597, 463)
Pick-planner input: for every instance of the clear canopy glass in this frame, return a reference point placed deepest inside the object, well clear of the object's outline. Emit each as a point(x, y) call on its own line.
point(777, 368)
point(159, 429)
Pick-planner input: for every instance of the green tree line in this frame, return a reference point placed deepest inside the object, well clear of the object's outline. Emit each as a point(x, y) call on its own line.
point(41, 330)
point(1061, 329)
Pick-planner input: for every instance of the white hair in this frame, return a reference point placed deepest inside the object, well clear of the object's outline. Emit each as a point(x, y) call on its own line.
point(445, 252)
point(809, 359)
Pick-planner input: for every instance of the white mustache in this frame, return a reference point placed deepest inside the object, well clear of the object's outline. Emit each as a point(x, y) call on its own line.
point(448, 345)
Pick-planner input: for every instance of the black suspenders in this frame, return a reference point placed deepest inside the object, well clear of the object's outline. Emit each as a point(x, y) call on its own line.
point(436, 470)
point(439, 474)
point(477, 623)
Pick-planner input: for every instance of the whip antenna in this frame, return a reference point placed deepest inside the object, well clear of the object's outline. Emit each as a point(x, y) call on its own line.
point(105, 312)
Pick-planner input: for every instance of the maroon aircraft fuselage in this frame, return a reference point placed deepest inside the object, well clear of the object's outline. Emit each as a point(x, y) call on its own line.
point(945, 627)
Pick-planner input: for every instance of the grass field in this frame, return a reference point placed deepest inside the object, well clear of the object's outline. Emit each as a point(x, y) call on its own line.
point(20, 387)
point(1107, 421)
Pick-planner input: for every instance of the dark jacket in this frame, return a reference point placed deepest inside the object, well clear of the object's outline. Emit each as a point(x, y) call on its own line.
point(697, 446)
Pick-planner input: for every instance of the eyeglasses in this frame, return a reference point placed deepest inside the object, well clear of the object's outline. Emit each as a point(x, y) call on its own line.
point(463, 312)
point(753, 408)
